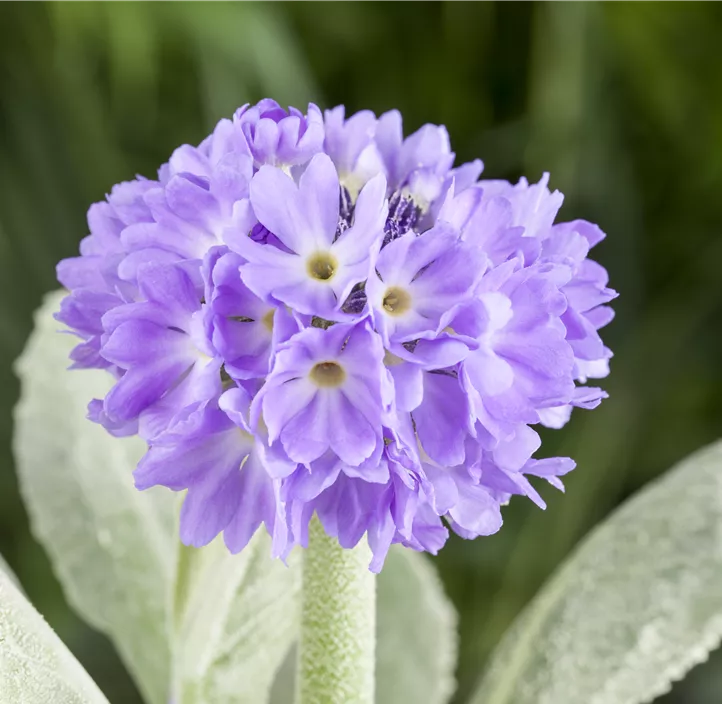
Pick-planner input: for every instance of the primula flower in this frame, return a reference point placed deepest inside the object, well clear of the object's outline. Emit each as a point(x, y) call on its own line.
point(239, 324)
point(328, 391)
point(314, 267)
point(310, 314)
point(279, 137)
point(419, 282)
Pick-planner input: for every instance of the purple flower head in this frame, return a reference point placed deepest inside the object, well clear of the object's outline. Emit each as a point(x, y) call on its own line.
point(98, 279)
point(487, 221)
point(533, 206)
point(417, 165)
point(395, 510)
point(523, 362)
point(328, 392)
point(214, 454)
point(161, 347)
point(279, 137)
point(419, 282)
point(191, 213)
point(313, 270)
point(311, 314)
point(239, 324)
point(566, 244)
point(226, 142)
point(351, 145)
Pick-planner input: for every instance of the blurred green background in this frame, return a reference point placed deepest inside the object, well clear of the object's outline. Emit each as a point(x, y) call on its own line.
point(622, 103)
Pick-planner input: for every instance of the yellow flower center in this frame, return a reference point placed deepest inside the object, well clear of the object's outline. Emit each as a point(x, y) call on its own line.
point(267, 320)
point(327, 374)
point(396, 301)
point(391, 360)
point(322, 266)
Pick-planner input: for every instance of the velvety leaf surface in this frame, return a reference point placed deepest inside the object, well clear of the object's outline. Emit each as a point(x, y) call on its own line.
point(636, 606)
point(35, 665)
point(111, 545)
point(236, 619)
point(416, 629)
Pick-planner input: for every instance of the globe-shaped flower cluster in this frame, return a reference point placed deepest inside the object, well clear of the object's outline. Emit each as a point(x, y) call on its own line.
point(311, 314)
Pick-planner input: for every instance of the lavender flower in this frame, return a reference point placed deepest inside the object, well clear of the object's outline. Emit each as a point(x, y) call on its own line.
point(308, 314)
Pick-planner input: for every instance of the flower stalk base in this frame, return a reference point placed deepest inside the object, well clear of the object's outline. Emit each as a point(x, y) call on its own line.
point(338, 623)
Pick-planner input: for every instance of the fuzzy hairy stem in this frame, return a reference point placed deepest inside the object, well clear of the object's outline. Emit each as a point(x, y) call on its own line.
point(336, 656)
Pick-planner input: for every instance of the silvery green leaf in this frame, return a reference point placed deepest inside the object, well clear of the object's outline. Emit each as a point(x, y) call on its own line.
point(636, 606)
point(236, 618)
point(416, 636)
point(283, 689)
point(111, 545)
point(416, 629)
point(35, 665)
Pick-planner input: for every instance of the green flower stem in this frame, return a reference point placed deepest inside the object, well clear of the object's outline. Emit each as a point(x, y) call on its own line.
point(338, 623)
